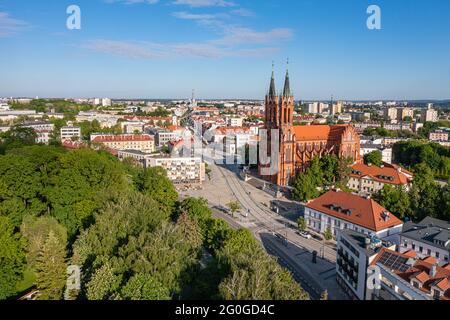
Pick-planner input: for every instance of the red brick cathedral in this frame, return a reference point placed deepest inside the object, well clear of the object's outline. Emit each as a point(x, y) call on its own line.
point(300, 144)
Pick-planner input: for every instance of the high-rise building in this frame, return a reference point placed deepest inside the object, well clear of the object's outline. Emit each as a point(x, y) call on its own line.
point(429, 114)
point(403, 113)
point(106, 102)
point(390, 114)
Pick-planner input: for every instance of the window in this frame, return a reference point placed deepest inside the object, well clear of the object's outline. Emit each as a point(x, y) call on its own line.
point(436, 294)
point(420, 249)
point(413, 246)
point(429, 252)
point(437, 254)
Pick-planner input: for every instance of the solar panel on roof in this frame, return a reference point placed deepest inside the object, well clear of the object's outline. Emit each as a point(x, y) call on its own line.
point(394, 261)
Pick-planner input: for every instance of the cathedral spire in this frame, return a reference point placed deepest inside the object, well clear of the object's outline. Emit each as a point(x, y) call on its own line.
point(272, 92)
point(287, 87)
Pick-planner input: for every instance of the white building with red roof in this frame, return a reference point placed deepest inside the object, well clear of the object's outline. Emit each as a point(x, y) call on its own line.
point(140, 142)
point(337, 210)
point(369, 179)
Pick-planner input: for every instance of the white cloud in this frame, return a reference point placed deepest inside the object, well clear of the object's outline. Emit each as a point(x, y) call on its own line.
point(132, 1)
point(193, 16)
point(239, 35)
point(205, 3)
point(243, 12)
point(134, 50)
point(155, 51)
point(10, 26)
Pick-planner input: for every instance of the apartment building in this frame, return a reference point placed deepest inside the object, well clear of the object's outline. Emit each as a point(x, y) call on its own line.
point(138, 156)
point(70, 133)
point(430, 237)
point(386, 152)
point(354, 253)
point(393, 275)
point(235, 122)
point(184, 171)
point(438, 135)
point(429, 115)
point(141, 142)
point(43, 130)
point(370, 179)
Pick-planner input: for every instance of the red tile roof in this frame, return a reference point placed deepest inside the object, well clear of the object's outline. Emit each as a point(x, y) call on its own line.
point(420, 270)
point(319, 132)
point(374, 172)
point(364, 212)
point(225, 130)
point(430, 260)
point(421, 276)
point(122, 138)
point(410, 253)
point(444, 284)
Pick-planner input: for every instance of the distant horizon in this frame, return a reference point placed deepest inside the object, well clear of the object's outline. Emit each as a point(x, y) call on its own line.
point(229, 99)
point(226, 48)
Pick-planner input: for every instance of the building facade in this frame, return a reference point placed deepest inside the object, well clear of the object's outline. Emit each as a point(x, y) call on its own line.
point(337, 210)
point(430, 237)
point(140, 142)
point(185, 171)
point(369, 179)
point(298, 145)
point(70, 133)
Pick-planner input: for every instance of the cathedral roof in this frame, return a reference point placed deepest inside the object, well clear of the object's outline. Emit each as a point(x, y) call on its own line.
point(319, 132)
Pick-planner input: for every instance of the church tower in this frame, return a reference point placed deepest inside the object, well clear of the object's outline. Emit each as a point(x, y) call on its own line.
point(287, 136)
point(279, 115)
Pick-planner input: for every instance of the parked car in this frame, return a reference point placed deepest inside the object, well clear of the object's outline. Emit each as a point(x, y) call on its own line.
point(305, 234)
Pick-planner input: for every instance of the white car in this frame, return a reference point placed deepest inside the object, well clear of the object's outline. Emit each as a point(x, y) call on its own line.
point(304, 234)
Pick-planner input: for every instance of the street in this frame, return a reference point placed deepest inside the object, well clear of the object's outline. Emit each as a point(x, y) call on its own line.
point(276, 233)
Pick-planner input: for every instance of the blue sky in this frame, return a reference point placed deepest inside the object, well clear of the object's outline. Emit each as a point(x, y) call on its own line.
point(225, 48)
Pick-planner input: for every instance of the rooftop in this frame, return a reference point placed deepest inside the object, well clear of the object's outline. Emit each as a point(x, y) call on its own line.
point(432, 231)
point(386, 174)
point(121, 138)
point(428, 274)
point(320, 132)
point(361, 211)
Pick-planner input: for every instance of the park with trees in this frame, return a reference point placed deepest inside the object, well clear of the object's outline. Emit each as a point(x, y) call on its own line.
point(125, 227)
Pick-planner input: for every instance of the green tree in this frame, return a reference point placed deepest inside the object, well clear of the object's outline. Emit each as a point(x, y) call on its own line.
point(301, 222)
point(154, 183)
point(374, 158)
point(234, 207)
point(36, 231)
point(51, 268)
point(104, 284)
point(197, 208)
point(17, 137)
point(144, 287)
point(328, 234)
point(330, 166)
point(304, 188)
point(396, 201)
point(12, 258)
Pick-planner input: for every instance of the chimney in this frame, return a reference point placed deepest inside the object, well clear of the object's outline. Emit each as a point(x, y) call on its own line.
point(433, 271)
